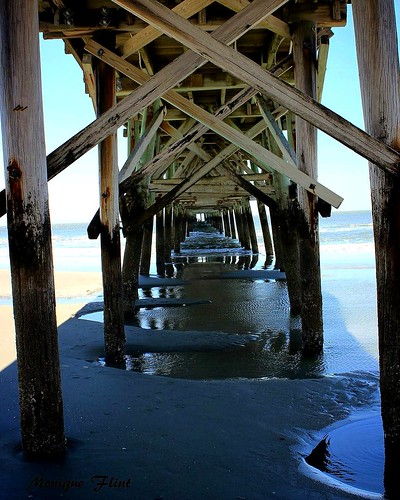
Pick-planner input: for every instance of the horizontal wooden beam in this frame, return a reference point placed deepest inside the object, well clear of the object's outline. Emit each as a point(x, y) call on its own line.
point(210, 181)
point(272, 23)
point(248, 71)
point(210, 190)
point(321, 14)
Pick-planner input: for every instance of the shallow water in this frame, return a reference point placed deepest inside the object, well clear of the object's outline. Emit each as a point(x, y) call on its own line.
point(261, 307)
point(352, 452)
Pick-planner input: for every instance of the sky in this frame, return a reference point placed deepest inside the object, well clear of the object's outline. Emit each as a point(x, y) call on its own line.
point(67, 109)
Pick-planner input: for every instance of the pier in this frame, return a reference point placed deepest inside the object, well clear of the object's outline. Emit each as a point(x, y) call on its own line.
point(220, 103)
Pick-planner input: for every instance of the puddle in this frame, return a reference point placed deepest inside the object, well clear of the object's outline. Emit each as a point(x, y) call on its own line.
point(353, 454)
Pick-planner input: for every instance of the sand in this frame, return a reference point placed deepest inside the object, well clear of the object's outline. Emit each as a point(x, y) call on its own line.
point(135, 436)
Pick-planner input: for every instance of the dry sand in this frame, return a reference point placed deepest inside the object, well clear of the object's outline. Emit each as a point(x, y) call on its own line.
point(134, 436)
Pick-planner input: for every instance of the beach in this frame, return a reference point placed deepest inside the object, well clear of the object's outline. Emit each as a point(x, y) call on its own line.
point(136, 434)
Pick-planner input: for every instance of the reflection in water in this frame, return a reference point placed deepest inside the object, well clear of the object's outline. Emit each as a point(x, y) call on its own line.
point(267, 357)
point(237, 306)
point(260, 307)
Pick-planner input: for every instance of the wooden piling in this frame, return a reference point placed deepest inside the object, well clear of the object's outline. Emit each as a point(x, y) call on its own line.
point(239, 225)
point(262, 213)
point(29, 231)
point(132, 205)
point(168, 233)
point(286, 216)
point(276, 235)
point(160, 243)
point(232, 223)
point(251, 226)
point(114, 333)
point(145, 260)
point(304, 55)
point(177, 225)
point(378, 62)
point(227, 225)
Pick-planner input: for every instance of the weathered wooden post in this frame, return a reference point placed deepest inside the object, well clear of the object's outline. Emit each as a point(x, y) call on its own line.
point(160, 243)
point(131, 204)
point(378, 62)
point(29, 231)
point(245, 226)
point(304, 55)
point(177, 222)
point(227, 225)
point(287, 217)
point(276, 234)
point(251, 226)
point(262, 213)
point(168, 233)
point(232, 223)
point(145, 261)
point(114, 333)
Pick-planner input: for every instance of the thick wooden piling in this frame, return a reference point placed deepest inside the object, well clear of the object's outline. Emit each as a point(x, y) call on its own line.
point(287, 217)
point(378, 62)
point(114, 333)
point(160, 243)
point(177, 227)
point(145, 260)
point(132, 204)
point(262, 213)
point(238, 221)
point(168, 233)
point(251, 226)
point(29, 231)
point(232, 223)
point(276, 235)
point(304, 55)
point(227, 225)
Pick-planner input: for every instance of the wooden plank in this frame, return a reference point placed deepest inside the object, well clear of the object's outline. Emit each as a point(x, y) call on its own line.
point(272, 23)
point(322, 62)
point(319, 13)
point(232, 61)
point(210, 181)
point(29, 232)
point(88, 76)
point(218, 126)
point(185, 9)
point(133, 159)
point(227, 189)
point(286, 149)
point(378, 63)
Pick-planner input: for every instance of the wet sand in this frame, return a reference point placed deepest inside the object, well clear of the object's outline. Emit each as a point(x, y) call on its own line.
point(145, 437)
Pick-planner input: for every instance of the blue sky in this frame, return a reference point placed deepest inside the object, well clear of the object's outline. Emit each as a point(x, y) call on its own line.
point(67, 109)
